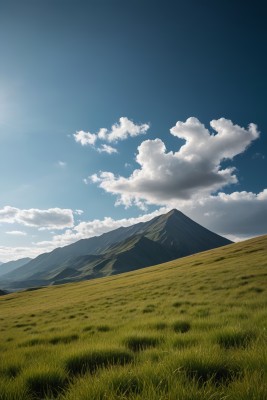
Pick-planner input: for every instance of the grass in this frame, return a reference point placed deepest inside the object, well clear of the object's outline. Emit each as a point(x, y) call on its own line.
point(235, 338)
point(45, 382)
point(91, 361)
point(181, 326)
point(139, 343)
point(190, 329)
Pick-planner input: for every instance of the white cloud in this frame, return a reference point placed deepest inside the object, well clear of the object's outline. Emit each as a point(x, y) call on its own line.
point(52, 218)
point(8, 253)
point(194, 170)
point(105, 148)
point(85, 138)
point(238, 213)
point(120, 131)
point(16, 233)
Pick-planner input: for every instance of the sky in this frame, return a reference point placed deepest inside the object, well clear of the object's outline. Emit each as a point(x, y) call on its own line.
point(115, 111)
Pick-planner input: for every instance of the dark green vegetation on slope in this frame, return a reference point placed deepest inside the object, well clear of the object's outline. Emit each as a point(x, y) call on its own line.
point(164, 238)
point(190, 329)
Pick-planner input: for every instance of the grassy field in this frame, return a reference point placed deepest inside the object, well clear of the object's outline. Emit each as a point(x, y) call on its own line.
point(191, 329)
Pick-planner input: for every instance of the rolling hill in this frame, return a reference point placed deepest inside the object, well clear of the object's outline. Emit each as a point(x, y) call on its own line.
point(192, 328)
point(166, 237)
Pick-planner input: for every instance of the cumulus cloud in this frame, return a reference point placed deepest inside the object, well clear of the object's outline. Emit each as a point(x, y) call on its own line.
point(120, 131)
point(52, 218)
point(85, 138)
point(192, 170)
point(237, 213)
point(16, 233)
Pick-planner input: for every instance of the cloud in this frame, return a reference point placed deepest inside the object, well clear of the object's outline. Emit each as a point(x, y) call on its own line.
point(194, 170)
point(8, 253)
point(237, 214)
point(120, 131)
point(16, 233)
point(52, 218)
point(85, 138)
point(105, 148)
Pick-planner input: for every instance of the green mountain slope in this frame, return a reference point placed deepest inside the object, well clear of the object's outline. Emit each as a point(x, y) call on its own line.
point(164, 238)
point(193, 328)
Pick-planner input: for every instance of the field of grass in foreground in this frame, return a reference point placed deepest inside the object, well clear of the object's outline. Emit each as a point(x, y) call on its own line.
point(189, 329)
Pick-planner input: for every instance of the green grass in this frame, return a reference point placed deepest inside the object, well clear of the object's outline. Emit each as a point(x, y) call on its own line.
point(181, 326)
point(139, 343)
point(190, 329)
point(91, 361)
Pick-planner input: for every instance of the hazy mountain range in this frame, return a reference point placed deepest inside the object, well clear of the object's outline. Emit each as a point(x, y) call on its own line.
point(166, 237)
point(12, 265)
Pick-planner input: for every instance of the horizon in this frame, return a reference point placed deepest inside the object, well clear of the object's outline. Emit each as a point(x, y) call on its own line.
point(107, 121)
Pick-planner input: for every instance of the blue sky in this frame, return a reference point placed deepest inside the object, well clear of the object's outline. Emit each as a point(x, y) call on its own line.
point(135, 68)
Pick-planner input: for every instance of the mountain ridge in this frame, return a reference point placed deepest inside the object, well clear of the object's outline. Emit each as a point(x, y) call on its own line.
point(13, 265)
point(163, 238)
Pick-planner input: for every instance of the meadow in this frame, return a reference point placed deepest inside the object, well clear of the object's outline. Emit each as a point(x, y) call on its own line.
point(190, 329)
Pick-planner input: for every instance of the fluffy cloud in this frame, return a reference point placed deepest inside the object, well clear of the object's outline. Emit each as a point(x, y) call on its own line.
point(85, 138)
point(193, 170)
point(239, 213)
point(121, 131)
point(53, 218)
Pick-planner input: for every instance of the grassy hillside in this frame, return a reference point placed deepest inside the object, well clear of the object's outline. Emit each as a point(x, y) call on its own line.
point(189, 329)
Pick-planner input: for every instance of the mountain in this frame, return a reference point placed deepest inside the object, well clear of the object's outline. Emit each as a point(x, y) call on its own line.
point(164, 238)
point(12, 265)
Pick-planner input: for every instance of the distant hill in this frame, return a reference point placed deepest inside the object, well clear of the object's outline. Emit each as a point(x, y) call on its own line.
point(12, 265)
point(164, 238)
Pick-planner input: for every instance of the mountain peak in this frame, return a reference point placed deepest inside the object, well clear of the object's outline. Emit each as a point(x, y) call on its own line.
point(174, 211)
point(165, 237)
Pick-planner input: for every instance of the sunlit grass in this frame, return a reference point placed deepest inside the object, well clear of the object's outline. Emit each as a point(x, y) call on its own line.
point(190, 329)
